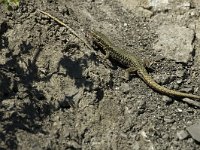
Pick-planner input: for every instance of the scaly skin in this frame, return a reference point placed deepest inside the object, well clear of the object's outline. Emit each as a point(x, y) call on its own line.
point(134, 64)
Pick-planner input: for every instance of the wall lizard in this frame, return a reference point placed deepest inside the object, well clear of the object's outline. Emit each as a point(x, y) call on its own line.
point(135, 65)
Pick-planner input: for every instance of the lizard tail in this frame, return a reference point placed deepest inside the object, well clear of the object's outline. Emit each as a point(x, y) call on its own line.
point(163, 90)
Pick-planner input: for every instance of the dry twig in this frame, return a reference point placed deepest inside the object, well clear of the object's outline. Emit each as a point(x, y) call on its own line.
point(69, 28)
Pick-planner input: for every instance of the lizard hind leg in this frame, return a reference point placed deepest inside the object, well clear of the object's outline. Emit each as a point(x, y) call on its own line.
point(148, 64)
point(129, 71)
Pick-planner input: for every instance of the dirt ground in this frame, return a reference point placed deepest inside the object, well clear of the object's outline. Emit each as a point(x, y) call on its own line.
point(45, 71)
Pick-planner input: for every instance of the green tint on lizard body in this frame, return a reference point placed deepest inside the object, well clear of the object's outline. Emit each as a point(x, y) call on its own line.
point(134, 64)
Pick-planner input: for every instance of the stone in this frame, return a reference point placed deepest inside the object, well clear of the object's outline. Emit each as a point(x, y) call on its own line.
point(175, 42)
point(187, 90)
point(167, 99)
point(194, 131)
point(180, 73)
point(125, 88)
point(182, 134)
point(168, 119)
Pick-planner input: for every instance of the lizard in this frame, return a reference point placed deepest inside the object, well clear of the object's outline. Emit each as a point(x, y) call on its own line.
point(133, 62)
point(134, 65)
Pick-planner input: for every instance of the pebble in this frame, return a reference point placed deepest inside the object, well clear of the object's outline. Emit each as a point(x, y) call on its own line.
point(180, 73)
point(186, 4)
point(74, 144)
point(194, 131)
point(179, 81)
point(125, 88)
point(125, 24)
point(168, 119)
point(179, 110)
point(165, 136)
point(167, 99)
point(141, 104)
point(159, 4)
point(187, 89)
point(183, 134)
point(190, 140)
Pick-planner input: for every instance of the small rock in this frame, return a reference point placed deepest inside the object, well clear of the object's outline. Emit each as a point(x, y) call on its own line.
point(190, 140)
point(179, 81)
point(187, 89)
point(165, 136)
point(180, 73)
point(179, 110)
point(125, 24)
point(194, 131)
point(167, 99)
point(159, 4)
point(175, 87)
point(191, 102)
point(174, 127)
point(186, 4)
point(74, 144)
point(125, 88)
point(182, 134)
point(168, 119)
point(141, 104)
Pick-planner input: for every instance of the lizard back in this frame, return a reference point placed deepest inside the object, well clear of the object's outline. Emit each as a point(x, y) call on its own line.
point(126, 58)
